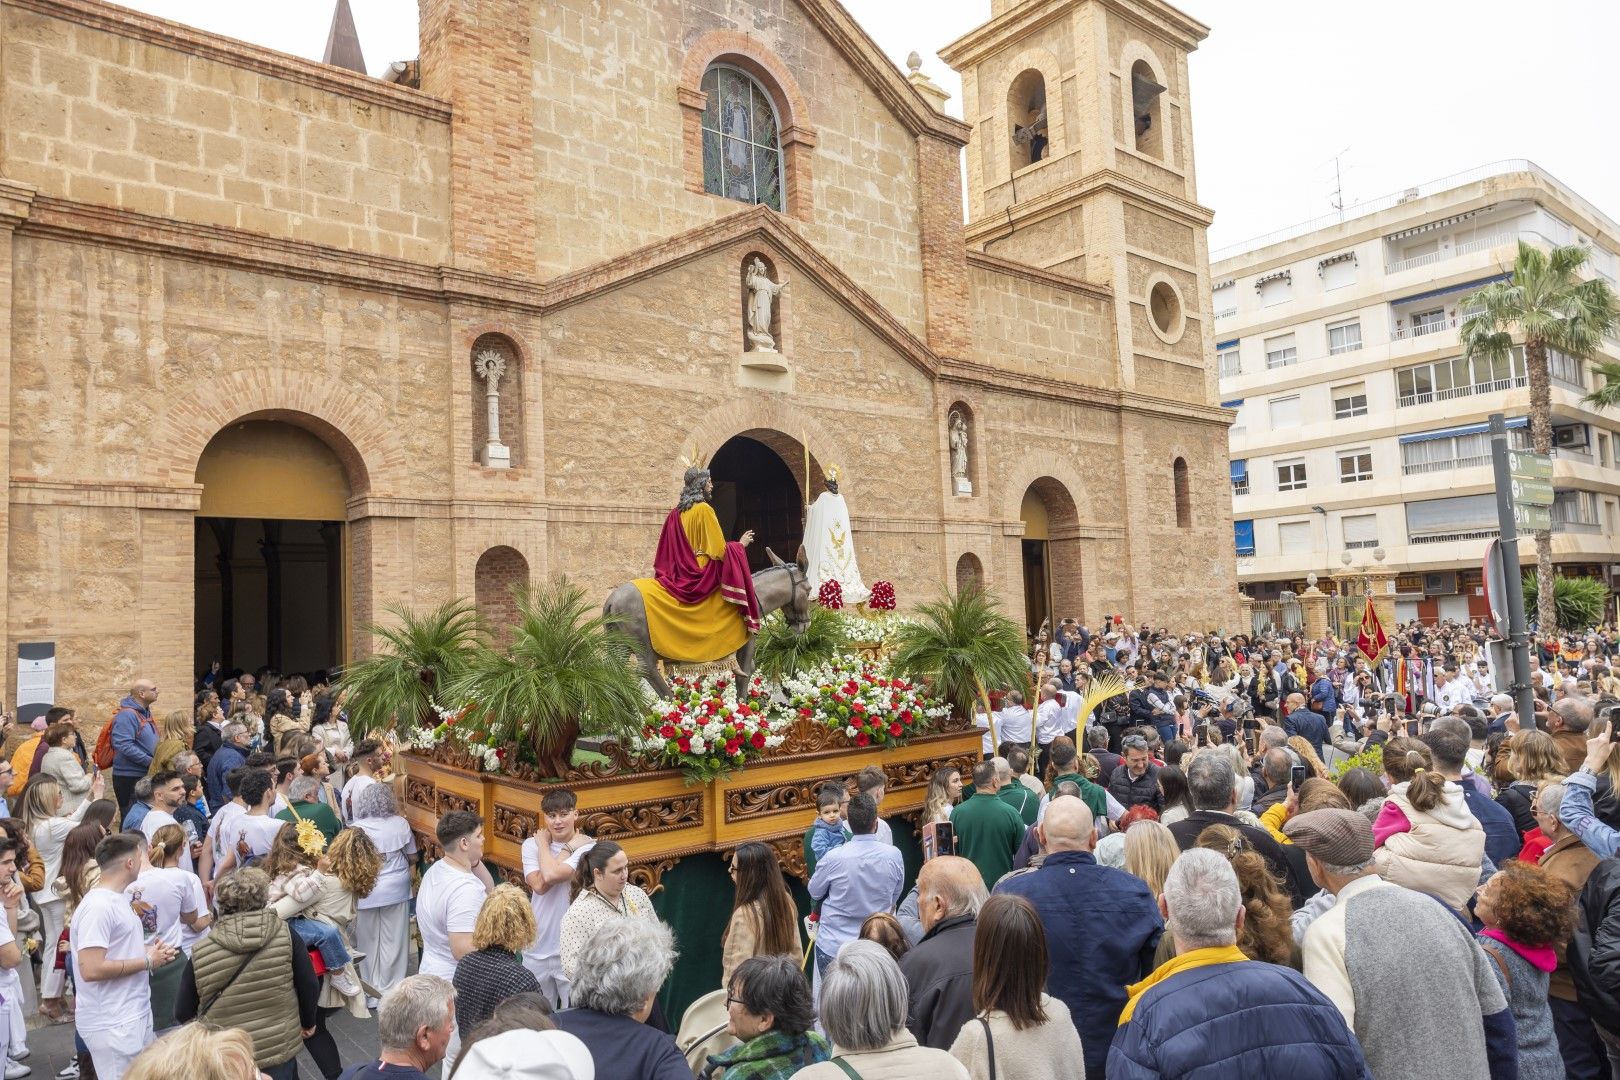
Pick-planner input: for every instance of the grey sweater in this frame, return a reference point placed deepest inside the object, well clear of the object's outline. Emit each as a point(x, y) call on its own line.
point(1526, 988)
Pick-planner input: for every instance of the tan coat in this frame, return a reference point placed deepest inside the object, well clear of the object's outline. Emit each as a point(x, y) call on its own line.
point(1572, 744)
point(1571, 862)
point(1442, 853)
point(902, 1059)
point(1049, 1051)
point(742, 941)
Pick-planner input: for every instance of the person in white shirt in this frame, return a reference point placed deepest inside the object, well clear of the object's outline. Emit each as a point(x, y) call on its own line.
point(168, 791)
point(112, 963)
point(220, 827)
point(12, 1037)
point(449, 899)
point(382, 924)
point(180, 915)
point(550, 862)
point(251, 835)
point(285, 771)
point(1048, 723)
point(1013, 720)
point(367, 760)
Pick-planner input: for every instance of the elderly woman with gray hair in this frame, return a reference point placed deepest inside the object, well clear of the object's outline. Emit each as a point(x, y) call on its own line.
point(621, 967)
point(863, 1011)
point(382, 923)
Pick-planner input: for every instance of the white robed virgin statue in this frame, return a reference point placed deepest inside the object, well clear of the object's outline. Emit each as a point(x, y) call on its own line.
point(830, 545)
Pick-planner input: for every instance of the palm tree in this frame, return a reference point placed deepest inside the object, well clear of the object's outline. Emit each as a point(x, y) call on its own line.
point(1547, 304)
point(779, 652)
point(961, 643)
point(396, 686)
point(564, 668)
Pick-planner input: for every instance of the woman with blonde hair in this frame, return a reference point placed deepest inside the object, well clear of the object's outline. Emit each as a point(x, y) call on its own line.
point(39, 811)
point(174, 735)
point(944, 790)
point(1150, 851)
point(307, 893)
point(1307, 756)
point(1534, 759)
point(208, 1053)
point(494, 970)
point(1426, 839)
point(1267, 932)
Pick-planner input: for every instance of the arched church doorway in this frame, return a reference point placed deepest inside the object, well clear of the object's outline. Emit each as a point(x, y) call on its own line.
point(271, 549)
point(755, 488)
point(1051, 554)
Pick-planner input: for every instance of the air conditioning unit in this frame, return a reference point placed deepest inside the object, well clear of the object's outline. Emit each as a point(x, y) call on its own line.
point(1573, 437)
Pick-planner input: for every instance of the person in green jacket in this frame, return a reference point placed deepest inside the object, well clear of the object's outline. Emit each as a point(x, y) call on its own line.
point(1065, 765)
point(988, 831)
point(304, 794)
point(1016, 795)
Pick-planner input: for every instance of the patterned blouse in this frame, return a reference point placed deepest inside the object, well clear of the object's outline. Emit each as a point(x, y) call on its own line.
point(590, 911)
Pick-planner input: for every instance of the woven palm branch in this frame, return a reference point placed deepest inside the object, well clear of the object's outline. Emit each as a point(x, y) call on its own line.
point(1102, 688)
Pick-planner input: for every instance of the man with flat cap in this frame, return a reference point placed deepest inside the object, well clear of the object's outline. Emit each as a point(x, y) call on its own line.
point(1411, 981)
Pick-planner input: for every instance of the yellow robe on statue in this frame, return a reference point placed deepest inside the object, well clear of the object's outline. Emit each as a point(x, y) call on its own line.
point(700, 633)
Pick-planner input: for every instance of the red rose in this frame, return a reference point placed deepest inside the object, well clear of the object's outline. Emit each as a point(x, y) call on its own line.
point(731, 746)
point(895, 729)
point(806, 712)
point(857, 721)
point(685, 744)
point(863, 739)
point(667, 731)
point(905, 717)
point(758, 740)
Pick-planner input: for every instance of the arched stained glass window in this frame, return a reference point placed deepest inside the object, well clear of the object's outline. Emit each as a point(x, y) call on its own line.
point(742, 146)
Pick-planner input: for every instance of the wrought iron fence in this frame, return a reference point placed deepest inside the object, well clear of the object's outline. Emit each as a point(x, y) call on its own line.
point(1271, 616)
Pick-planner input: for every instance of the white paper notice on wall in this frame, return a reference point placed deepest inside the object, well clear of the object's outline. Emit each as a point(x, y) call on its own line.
point(36, 679)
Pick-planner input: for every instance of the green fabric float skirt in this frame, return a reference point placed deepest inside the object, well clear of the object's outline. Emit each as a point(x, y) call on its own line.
point(165, 988)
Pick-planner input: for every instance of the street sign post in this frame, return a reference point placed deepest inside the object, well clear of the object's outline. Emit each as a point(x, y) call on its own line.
point(1523, 479)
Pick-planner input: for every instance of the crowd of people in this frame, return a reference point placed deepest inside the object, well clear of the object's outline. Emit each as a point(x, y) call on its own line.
point(1266, 854)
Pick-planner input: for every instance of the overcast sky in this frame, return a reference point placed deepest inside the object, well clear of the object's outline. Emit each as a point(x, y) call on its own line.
point(1404, 92)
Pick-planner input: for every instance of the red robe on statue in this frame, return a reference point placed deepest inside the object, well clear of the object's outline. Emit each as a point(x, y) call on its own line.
point(699, 584)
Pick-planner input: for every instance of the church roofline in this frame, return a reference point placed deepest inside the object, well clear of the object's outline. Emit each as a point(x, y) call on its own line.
point(912, 109)
point(1011, 27)
point(191, 41)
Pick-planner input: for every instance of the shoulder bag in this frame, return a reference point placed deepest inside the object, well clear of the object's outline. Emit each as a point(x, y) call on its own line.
point(202, 1013)
point(989, 1046)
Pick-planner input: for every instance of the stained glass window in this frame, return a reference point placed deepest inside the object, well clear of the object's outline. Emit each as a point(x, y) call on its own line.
point(742, 150)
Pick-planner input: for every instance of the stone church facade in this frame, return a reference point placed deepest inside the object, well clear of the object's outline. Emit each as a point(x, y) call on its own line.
point(241, 295)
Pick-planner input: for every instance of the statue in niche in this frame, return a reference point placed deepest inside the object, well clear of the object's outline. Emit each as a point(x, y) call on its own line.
point(762, 292)
point(959, 452)
point(490, 365)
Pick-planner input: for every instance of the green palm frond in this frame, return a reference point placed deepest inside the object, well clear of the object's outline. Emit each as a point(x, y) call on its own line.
point(415, 655)
point(1606, 395)
point(780, 653)
point(565, 665)
point(961, 643)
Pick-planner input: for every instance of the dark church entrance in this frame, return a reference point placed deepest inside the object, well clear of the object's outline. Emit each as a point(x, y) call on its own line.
point(755, 489)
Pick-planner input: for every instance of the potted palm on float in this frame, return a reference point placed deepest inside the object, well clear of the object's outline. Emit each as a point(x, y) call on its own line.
point(398, 685)
point(780, 653)
point(960, 644)
point(565, 667)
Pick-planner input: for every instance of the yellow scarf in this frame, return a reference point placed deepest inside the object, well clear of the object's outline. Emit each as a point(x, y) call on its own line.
point(1225, 954)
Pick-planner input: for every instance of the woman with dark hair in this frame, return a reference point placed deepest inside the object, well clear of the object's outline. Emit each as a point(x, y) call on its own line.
point(1528, 914)
point(1361, 786)
point(1019, 1032)
point(30, 867)
point(770, 1010)
point(764, 921)
point(602, 893)
point(281, 719)
point(1177, 801)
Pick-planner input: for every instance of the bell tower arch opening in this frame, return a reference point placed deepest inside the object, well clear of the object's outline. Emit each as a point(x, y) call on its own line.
point(271, 583)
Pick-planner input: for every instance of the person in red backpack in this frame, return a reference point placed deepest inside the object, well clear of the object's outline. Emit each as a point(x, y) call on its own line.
point(134, 739)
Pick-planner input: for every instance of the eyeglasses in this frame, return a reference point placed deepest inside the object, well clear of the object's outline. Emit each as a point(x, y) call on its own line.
point(730, 1001)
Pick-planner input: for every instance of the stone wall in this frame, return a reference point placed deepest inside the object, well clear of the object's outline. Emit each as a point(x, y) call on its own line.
point(127, 111)
point(1036, 325)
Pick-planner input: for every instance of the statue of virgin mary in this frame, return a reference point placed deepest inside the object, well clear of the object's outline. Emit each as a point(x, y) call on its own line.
point(830, 545)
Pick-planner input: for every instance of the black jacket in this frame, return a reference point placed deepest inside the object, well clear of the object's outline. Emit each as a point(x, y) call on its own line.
point(205, 742)
point(1140, 791)
point(1142, 708)
point(1516, 799)
point(939, 972)
point(1594, 951)
point(1277, 857)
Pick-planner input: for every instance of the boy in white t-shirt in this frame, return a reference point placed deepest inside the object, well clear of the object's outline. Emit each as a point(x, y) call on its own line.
point(13, 1040)
point(113, 964)
point(251, 834)
point(449, 898)
point(168, 792)
point(367, 760)
point(550, 860)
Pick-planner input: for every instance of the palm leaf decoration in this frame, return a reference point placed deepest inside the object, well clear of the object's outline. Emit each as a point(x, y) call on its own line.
point(1101, 689)
point(780, 653)
point(566, 671)
point(959, 644)
point(396, 686)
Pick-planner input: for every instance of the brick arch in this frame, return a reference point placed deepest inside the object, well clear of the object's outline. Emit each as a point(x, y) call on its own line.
point(970, 572)
point(347, 420)
point(1055, 475)
point(499, 571)
point(778, 427)
point(797, 134)
point(470, 336)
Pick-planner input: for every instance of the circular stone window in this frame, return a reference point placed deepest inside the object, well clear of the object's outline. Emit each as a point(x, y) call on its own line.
point(1164, 311)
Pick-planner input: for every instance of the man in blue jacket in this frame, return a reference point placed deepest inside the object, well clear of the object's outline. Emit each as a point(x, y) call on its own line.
point(1103, 925)
point(134, 740)
point(1449, 749)
point(1211, 1009)
point(232, 754)
point(1303, 722)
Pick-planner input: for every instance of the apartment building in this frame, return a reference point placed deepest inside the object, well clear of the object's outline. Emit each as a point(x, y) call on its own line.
point(1360, 436)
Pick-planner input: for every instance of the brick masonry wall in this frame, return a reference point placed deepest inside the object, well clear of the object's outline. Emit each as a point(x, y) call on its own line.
point(107, 119)
point(500, 572)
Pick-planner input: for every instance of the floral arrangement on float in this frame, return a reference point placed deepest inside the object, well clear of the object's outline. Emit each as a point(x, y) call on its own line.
point(882, 598)
point(830, 595)
point(455, 734)
point(710, 725)
point(870, 705)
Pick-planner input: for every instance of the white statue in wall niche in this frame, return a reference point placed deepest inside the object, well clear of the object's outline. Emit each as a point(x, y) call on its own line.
point(959, 452)
point(762, 293)
point(490, 366)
